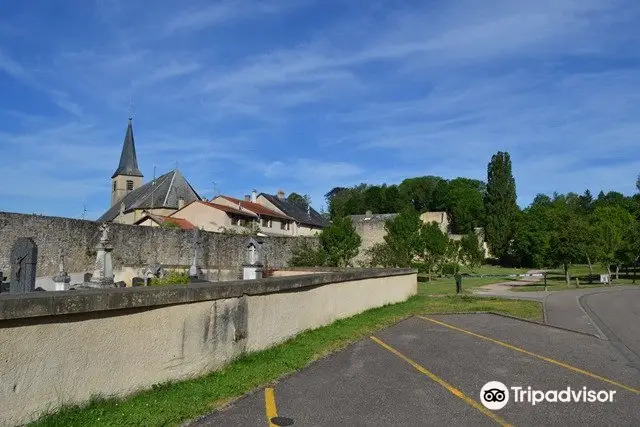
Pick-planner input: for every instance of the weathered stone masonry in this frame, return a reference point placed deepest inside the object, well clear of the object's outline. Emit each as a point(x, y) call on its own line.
point(134, 246)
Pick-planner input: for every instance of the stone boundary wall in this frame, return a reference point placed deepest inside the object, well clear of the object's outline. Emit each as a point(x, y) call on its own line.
point(62, 348)
point(134, 246)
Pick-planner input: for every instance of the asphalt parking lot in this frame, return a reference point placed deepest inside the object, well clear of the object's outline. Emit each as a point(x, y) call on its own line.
point(430, 371)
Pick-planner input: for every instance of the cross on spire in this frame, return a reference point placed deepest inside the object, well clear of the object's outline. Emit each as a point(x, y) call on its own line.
point(130, 109)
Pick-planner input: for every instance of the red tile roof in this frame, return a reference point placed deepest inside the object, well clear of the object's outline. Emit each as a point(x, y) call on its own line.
point(257, 208)
point(159, 219)
point(229, 209)
point(182, 223)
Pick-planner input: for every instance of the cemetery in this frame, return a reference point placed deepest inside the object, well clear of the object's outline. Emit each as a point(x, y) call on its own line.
point(100, 336)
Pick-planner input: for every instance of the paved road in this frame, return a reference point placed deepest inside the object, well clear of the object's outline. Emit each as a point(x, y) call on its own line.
point(617, 316)
point(429, 371)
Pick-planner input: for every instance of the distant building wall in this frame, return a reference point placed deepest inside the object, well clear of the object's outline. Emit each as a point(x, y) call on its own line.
point(370, 228)
point(441, 218)
point(206, 217)
point(133, 245)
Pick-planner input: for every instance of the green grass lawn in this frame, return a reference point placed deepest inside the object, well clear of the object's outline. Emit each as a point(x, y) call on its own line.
point(447, 285)
point(175, 403)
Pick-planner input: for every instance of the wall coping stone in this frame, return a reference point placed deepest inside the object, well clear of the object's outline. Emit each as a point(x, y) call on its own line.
point(38, 304)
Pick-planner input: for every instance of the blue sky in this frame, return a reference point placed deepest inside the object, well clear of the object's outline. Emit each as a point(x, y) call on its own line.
point(305, 95)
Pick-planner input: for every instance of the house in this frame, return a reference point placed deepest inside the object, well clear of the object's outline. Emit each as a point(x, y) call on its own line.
point(269, 221)
point(306, 220)
point(216, 217)
point(152, 220)
point(131, 200)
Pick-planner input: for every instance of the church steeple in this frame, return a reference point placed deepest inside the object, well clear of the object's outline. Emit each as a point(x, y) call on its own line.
point(128, 161)
point(127, 177)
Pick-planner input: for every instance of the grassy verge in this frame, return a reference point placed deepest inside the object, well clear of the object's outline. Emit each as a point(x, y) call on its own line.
point(173, 403)
point(556, 280)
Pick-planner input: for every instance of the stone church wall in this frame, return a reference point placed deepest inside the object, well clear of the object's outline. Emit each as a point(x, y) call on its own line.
point(134, 246)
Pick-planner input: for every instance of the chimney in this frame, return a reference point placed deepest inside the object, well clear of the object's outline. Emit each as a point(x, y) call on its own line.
point(247, 198)
point(181, 203)
point(254, 196)
point(281, 194)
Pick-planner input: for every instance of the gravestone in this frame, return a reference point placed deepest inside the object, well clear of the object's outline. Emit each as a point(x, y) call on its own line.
point(62, 279)
point(103, 274)
point(24, 256)
point(252, 267)
point(194, 271)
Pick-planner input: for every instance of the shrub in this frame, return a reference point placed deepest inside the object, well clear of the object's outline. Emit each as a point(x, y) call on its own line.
point(172, 278)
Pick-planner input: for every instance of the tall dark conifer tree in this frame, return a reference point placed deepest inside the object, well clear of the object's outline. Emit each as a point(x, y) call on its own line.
point(500, 205)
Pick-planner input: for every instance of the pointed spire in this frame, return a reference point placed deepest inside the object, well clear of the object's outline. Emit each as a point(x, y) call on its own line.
point(128, 161)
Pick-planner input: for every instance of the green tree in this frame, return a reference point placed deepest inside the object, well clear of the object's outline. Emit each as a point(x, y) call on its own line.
point(500, 205)
point(613, 227)
point(567, 238)
point(433, 245)
point(471, 250)
point(302, 201)
point(465, 204)
point(340, 243)
point(419, 191)
point(403, 238)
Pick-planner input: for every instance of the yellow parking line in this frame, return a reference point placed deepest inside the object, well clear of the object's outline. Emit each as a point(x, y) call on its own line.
point(270, 405)
point(529, 353)
point(444, 384)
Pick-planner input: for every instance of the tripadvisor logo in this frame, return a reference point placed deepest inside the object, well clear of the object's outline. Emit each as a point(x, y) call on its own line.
point(495, 395)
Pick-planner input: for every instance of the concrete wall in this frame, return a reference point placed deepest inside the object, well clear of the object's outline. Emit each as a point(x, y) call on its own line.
point(134, 246)
point(64, 347)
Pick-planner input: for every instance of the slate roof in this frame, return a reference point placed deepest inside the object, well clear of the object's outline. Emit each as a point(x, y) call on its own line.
point(297, 212)
point(166, 192)
point(257, 208)
point(128, 160)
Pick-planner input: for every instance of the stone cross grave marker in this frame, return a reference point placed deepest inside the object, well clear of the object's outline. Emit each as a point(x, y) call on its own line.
point(24, 257)
point(194, 270)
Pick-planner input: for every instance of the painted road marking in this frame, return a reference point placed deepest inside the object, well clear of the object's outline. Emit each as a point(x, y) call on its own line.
point(444, 384)
point(270, 405)
point(538, 356)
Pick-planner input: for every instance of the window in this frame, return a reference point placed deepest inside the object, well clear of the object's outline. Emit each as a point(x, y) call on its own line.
point(235, 220)
point(242, 222)
point(288, 225)
point(266, 222)
point(114, 186)
point(129, 185)
point(285, 225)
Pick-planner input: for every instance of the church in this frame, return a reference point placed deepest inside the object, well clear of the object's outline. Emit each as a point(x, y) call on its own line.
point(132, 200)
